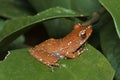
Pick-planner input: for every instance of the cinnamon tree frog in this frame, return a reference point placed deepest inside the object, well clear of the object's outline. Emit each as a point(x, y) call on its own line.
point(51, 50)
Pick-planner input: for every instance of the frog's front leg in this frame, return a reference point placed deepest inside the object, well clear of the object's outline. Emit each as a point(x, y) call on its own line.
point(44, 57)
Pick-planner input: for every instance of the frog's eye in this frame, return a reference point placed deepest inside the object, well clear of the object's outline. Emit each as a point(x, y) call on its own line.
point(82, 34)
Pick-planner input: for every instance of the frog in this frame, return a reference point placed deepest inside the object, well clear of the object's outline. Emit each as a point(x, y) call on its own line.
point(52, 50)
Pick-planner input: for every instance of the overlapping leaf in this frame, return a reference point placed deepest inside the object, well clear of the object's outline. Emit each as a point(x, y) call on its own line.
point(62, 24)
point(113, 7)
point(14, 28)
point(111, 46)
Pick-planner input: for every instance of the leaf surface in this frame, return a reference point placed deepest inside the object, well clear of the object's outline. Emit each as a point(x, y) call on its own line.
point(90, 65)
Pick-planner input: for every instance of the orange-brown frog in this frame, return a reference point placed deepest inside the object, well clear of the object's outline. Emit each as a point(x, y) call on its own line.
point(51, 50)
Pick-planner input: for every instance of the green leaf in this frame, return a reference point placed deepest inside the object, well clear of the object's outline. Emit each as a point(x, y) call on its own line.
point(11, 9)
point(64, 25)
point(14, 28)
point(111, 46)
point(113, 7)
point(55, 26)
point(86, 6)
point(91, 65)
point(16, 44)
point(1, 24)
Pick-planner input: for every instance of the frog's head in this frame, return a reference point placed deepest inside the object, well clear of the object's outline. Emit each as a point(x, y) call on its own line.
point(84, 32)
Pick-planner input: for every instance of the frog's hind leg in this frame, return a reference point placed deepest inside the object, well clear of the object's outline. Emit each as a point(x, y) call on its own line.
point(44, 57)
